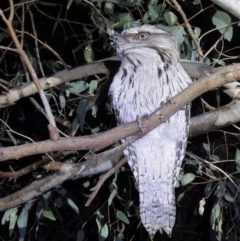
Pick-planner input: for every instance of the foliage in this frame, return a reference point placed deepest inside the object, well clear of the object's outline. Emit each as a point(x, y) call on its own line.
point(78, 30)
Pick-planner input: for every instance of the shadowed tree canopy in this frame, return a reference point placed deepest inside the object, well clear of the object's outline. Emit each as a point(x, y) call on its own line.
point(62, 171)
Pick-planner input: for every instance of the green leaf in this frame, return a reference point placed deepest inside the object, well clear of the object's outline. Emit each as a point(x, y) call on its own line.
point(81, 111)
point(180, 197)
point(219, 61)
point(103, 230)
point(80, 235)
point(13, 139)
point(7, 215)
point(228, 197)
point(222, 20)
point(206, 147)
point(96, 129)
point(77, 87)
point(196, 2)
point(187, 178)
point(121, 216)
point(178, 33)
point(109, 8)
point(89, 54)
point(94, 111)
point(86, 184)
point(69, 4)
point(23, 218)
point(93, 86)
point(170, 18)
point(113, 194)
point(237, 159)
point(215, 212)
point(58, 202)
point(49, 214)
point(153, 11)
point(197, 32)
point(62, 100)
point(168, 29)
point(72, 204)
point(208, 188)
point(12, 223)
point(214, 158)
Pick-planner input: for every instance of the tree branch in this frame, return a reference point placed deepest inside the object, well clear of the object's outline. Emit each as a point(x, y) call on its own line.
point(99, 141)
point(193, 69)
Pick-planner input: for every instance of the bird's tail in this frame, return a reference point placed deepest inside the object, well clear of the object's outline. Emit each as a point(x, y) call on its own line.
point(154, 167)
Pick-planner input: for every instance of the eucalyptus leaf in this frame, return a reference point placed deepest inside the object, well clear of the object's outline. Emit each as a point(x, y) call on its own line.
point(121, 216)
point(23, 218)
point(49, 214)
point(62, 100)
point(215, 212)
point(7, 214)
point(219, 61)
point(214, 158)
point(206, 147)
point(228, 197)
point(187, 178)
point(237, 159)
point(80, 235)
point(94, 111)
point(81, 111)
point(93, 86)
point(58, 202)
point(95, 130)
point(208, 188)
point(180, 197)
point(178, 33)
point(196, 2)
point(72, 204)
point(102, 229)
point(77, 87)
point(170, 18)
point(69, 4)
point(13, 139)
point(12, 222)
point(112, 195)
point(89, 54)
point(109, 8)
point(222, 20)
point(197, 32)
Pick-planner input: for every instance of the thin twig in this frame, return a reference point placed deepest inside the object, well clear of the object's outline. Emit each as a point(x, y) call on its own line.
point(47, 47)
point(213, 166)
point(28, 63)
point(189, 28)
point(103, 179)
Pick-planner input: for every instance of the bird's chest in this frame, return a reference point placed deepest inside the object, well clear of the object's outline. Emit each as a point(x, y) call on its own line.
point(140, 91)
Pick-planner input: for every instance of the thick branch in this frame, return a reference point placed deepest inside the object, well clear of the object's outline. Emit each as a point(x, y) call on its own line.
point(215, 119)
point(194, 70)
point(102, 140)
point(67, 172)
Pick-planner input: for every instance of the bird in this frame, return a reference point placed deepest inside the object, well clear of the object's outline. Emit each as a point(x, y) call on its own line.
point(149, 76)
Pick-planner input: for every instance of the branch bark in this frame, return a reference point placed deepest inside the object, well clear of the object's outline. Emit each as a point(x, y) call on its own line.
point(194, 70)
point(99, 141)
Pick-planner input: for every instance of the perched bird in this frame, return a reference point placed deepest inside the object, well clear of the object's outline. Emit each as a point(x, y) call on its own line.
point(150, 75)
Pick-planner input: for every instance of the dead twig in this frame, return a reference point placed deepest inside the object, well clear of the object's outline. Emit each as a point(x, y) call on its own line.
point(103, 179)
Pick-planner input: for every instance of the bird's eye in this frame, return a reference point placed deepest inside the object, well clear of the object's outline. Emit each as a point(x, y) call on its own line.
point(142, 36)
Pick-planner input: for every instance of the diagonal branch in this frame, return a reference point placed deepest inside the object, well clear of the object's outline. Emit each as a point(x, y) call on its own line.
point(99, 141)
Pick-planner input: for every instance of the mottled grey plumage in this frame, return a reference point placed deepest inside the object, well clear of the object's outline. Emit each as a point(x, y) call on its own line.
point(150, 74)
